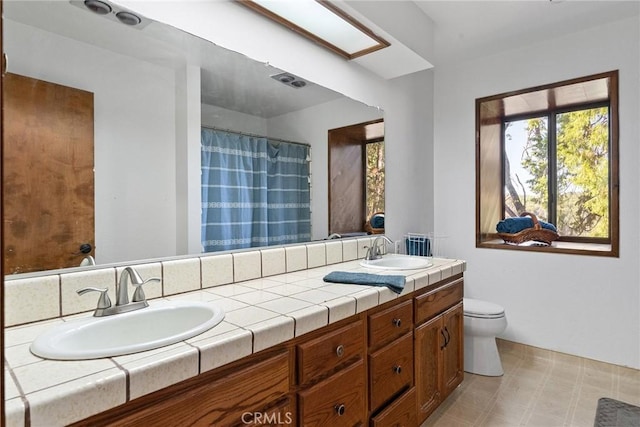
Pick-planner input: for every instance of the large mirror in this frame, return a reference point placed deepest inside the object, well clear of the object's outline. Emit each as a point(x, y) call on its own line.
point(152, 89)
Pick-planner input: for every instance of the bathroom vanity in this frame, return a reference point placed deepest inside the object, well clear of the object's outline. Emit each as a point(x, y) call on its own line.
point(291, 350)
point(390, 365)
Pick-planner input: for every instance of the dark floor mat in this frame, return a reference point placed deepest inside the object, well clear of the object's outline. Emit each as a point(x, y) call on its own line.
point(613, 413)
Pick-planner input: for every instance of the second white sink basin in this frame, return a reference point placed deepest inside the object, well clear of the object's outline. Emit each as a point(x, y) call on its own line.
point(162, 323)
point(397, 262)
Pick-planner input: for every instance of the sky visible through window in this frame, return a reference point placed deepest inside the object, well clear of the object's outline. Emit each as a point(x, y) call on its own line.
point(514, 147)
point(519, 178)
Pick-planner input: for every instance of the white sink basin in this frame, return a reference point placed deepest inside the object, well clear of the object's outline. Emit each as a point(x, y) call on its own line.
point(162, 323)
point(397, 262)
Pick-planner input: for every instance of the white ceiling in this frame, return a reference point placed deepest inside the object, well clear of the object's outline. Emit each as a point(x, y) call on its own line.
point(468, 29)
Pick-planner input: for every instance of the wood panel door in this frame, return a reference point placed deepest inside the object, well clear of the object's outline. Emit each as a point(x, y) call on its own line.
point(48, 178)
point(453, 352)
point(348, 175)
point(428, 344)
point(346, 182)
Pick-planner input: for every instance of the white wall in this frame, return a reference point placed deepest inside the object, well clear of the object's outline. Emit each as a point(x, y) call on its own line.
point(187, 161)
point(583, 305)
point(311, 126)
point(222, 118)
point(134, 107)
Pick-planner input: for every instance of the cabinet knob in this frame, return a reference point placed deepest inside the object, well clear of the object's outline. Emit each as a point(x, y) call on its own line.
point(340, 350)
point(397, 322)
point(340, 409)
point(397, 369)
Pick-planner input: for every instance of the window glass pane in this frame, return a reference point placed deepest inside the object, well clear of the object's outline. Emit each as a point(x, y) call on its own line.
point(526, 167)
point(583, 172)
point(375, 178)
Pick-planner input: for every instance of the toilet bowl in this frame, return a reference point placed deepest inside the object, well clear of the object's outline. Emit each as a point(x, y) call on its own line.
point(483, 320)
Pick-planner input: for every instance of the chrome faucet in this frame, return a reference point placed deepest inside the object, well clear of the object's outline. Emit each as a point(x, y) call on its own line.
point(88, 260)
point(374, 251)
point(123, 305)
point(122, 291)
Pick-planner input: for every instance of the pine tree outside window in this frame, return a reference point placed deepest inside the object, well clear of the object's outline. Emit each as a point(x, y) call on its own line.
point(557, 167)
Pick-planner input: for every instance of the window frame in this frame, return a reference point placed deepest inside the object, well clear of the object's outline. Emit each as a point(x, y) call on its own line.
point(559, 97)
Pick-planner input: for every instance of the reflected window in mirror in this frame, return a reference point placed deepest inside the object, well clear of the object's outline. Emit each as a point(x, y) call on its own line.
point(374, 178)
point(356, 178)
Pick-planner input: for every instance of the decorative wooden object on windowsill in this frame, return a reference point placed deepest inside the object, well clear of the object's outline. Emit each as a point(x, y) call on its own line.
point(537, 233)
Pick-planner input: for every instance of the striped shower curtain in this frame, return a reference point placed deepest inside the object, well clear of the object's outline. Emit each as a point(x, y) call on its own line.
point(255, 192)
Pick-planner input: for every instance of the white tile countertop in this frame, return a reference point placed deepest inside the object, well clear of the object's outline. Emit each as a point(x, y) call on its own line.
point(260, 313)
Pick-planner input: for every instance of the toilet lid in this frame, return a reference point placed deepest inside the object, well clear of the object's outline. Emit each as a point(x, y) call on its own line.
point(479, 308)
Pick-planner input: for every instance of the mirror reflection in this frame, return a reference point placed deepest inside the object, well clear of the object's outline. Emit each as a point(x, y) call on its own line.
point(115, 116)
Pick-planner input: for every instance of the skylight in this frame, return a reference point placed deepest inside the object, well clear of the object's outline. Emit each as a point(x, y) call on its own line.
point(323, 23)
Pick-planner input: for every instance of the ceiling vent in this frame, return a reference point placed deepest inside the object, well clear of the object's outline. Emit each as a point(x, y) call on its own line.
point(114, 13)
point(290, 80)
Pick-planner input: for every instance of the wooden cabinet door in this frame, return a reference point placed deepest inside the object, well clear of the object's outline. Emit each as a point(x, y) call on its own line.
point(428, 340)
point(257, 391)
point(453, 352)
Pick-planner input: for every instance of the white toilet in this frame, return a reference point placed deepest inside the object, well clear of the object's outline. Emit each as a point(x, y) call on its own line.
point(482, 322)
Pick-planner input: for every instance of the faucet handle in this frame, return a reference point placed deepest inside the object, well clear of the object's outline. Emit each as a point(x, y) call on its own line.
point(104, 301)
point(138, 294)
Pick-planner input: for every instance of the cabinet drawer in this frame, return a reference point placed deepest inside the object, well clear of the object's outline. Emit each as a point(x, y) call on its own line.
point(322, 356)
point(390, 370)
point(400, 413)
point(337, 401)
point(433, 303)
point(390, 324)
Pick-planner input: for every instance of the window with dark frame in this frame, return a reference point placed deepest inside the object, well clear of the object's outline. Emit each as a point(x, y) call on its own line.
point(551, 150)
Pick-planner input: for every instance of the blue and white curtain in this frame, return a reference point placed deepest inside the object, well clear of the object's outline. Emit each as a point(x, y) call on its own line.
point(255, 192)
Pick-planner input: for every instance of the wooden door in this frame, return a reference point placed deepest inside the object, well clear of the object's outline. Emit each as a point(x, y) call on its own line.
point(453, 352)
point(427, 361)
point(347, 175)
point(346, 182)
point(48, 180)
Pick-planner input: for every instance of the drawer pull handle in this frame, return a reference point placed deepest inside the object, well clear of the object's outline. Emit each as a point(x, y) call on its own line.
point(340, 350)
point(397, 322)
point(397, 369)
point(340, 409)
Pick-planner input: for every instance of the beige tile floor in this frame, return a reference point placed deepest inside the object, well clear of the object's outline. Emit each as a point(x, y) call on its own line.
point(540, 388)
